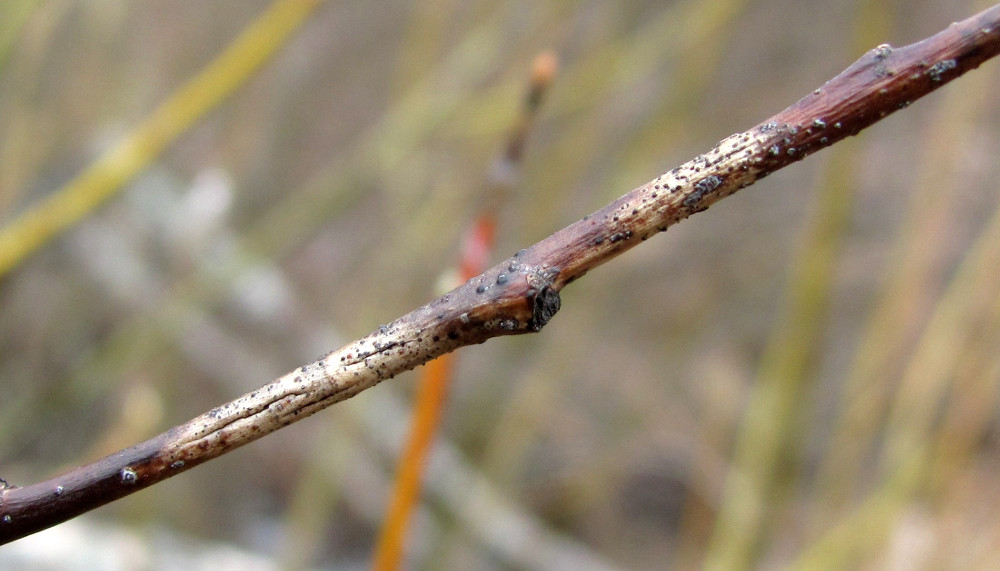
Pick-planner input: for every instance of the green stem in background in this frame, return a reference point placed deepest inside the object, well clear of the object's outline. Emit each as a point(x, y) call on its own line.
point(98, 183)
point(909, 452)
point(768, 439)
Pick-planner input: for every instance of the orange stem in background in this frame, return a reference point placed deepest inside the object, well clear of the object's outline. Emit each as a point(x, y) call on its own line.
point(477, 246)
point(428, 410)
point(426, 417)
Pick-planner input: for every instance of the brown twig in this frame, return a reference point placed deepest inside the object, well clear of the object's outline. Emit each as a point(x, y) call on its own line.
point(521, 294)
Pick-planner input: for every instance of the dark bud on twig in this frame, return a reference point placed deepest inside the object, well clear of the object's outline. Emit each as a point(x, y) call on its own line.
point(546, 304)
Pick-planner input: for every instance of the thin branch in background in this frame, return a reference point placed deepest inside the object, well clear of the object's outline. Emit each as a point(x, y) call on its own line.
point(521, 294)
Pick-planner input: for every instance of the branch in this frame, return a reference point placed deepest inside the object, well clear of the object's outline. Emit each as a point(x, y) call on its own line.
point(521, 294)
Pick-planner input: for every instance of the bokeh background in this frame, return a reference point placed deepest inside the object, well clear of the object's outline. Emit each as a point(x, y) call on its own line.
point(804, 375)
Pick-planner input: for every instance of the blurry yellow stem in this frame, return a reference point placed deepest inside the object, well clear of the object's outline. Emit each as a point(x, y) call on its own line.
point(103, 178)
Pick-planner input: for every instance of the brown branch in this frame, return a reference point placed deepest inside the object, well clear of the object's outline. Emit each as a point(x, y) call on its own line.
point(521, 294)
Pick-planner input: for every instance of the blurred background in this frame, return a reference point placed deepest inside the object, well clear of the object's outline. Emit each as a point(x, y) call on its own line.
point(803, 376)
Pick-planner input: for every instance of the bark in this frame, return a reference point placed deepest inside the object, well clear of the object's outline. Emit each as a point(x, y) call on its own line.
point(521, 294)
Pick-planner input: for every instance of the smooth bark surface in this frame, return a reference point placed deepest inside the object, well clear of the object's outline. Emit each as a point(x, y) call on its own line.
point(521, 294)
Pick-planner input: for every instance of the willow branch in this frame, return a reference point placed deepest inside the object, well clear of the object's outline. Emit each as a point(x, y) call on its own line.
point(521, 294)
